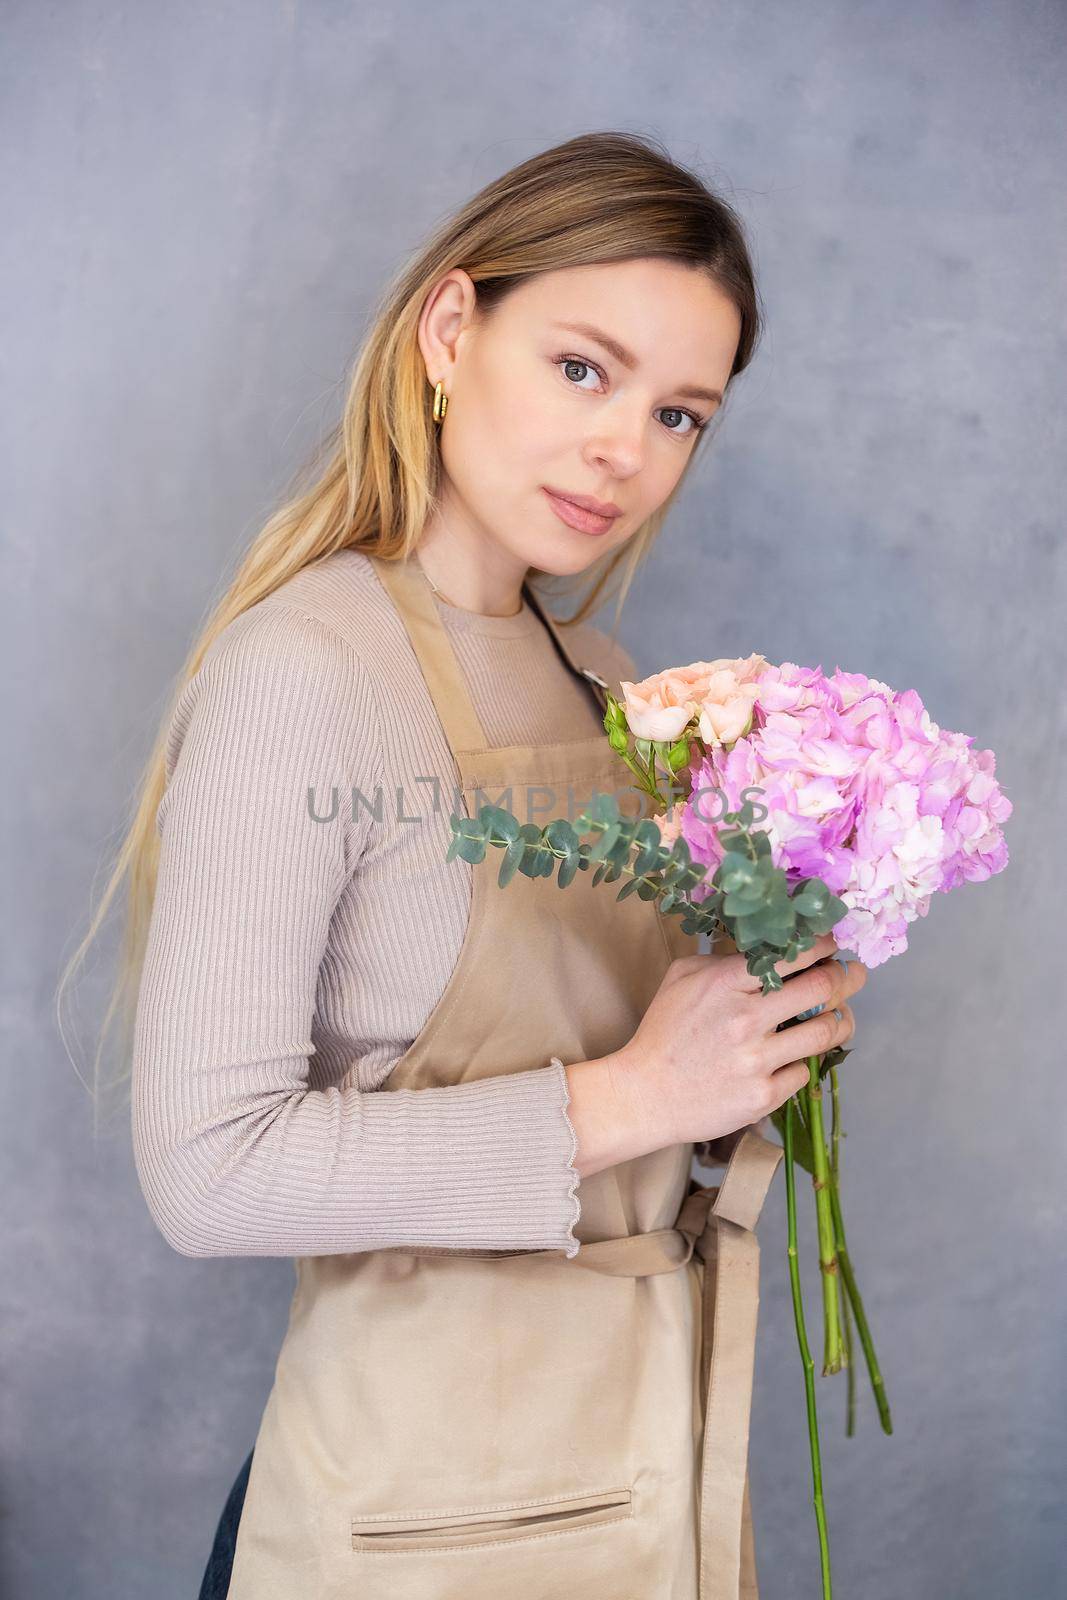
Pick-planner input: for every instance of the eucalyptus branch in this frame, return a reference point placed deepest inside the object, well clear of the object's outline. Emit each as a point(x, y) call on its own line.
point(748, 898)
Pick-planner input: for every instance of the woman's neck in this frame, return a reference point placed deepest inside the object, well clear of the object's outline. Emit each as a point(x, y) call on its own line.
point(469, 579)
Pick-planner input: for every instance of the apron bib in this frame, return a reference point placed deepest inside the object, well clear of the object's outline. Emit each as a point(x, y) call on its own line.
point(450, 1424)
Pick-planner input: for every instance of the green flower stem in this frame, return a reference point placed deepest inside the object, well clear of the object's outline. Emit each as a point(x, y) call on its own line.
point(881, 1399)
point(850, 1370)
point(812, 1096)
point(839, 1245)
point(646, 775)
point(852, 1295)
point(805, 1353)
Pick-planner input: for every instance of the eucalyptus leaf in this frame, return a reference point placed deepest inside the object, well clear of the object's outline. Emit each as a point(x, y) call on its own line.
point(605, 842)
point(495, 820)
point(468, 841)
point(568, 869)
point(561, 836)
point(509, 862)
point(734, 843)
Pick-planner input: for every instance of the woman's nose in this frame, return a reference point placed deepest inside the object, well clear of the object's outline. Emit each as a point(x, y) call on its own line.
point(619, 445)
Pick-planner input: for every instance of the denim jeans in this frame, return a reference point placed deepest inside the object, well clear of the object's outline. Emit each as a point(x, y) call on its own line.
point(216, 1580)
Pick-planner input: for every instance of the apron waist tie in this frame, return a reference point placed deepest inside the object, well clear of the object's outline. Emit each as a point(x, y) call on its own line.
point(717, 1223)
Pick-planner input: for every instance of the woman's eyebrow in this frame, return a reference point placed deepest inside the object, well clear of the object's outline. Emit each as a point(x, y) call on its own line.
point(626, 358)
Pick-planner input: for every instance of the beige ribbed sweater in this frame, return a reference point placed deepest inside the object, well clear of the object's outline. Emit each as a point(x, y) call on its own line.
point(291, 962)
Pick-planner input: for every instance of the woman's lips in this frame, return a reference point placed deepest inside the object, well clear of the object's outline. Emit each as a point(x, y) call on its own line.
point(577, 517)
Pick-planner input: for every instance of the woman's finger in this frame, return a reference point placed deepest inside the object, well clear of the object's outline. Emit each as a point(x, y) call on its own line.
point(813, 1037)
point(823, 985)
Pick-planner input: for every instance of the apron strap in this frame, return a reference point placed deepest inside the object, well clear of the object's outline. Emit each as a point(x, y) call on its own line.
point(409, 590)
point(568, 649)
point(731, 1303)
point(752, 1165)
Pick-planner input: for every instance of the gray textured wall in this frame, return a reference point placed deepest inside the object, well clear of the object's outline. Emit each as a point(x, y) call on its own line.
point(202, 203)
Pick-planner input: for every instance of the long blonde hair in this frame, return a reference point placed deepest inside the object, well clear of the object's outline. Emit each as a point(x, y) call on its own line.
point(372, 484)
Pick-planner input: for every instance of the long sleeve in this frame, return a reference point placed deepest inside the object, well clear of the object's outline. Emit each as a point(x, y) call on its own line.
point(236, 1152)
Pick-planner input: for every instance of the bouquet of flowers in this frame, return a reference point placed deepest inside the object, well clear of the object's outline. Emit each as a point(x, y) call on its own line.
point(788, 804)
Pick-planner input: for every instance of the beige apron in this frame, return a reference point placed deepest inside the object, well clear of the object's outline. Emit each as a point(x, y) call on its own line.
point(515, 1425)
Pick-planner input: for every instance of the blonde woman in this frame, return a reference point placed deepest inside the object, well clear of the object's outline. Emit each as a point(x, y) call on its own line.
point(468, 1113)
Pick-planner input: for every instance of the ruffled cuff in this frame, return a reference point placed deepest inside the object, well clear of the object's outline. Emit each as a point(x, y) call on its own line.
point(574, 1204)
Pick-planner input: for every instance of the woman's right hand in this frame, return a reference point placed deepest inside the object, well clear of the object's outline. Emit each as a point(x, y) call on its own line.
point(707, 1059)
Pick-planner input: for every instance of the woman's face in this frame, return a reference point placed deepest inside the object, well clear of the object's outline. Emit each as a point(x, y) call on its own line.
point(541, 405)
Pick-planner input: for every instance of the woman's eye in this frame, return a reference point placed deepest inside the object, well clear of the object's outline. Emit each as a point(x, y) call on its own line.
point(574, 361)
point(670, 413)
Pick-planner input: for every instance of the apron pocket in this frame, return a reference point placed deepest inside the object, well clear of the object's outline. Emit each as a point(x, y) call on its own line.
point(520, 1519)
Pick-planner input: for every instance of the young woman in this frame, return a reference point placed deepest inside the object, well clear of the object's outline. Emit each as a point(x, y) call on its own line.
point(442, 1098)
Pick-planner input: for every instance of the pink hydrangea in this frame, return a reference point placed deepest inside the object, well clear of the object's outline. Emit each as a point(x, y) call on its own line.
point(863, 790)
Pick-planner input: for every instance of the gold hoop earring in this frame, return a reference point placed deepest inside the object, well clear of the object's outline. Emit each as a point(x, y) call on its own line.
point(440, 403)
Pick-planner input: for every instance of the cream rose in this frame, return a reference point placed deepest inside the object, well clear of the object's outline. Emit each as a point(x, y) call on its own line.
point(718, 695)
point(659, 707)
point(725, 711)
